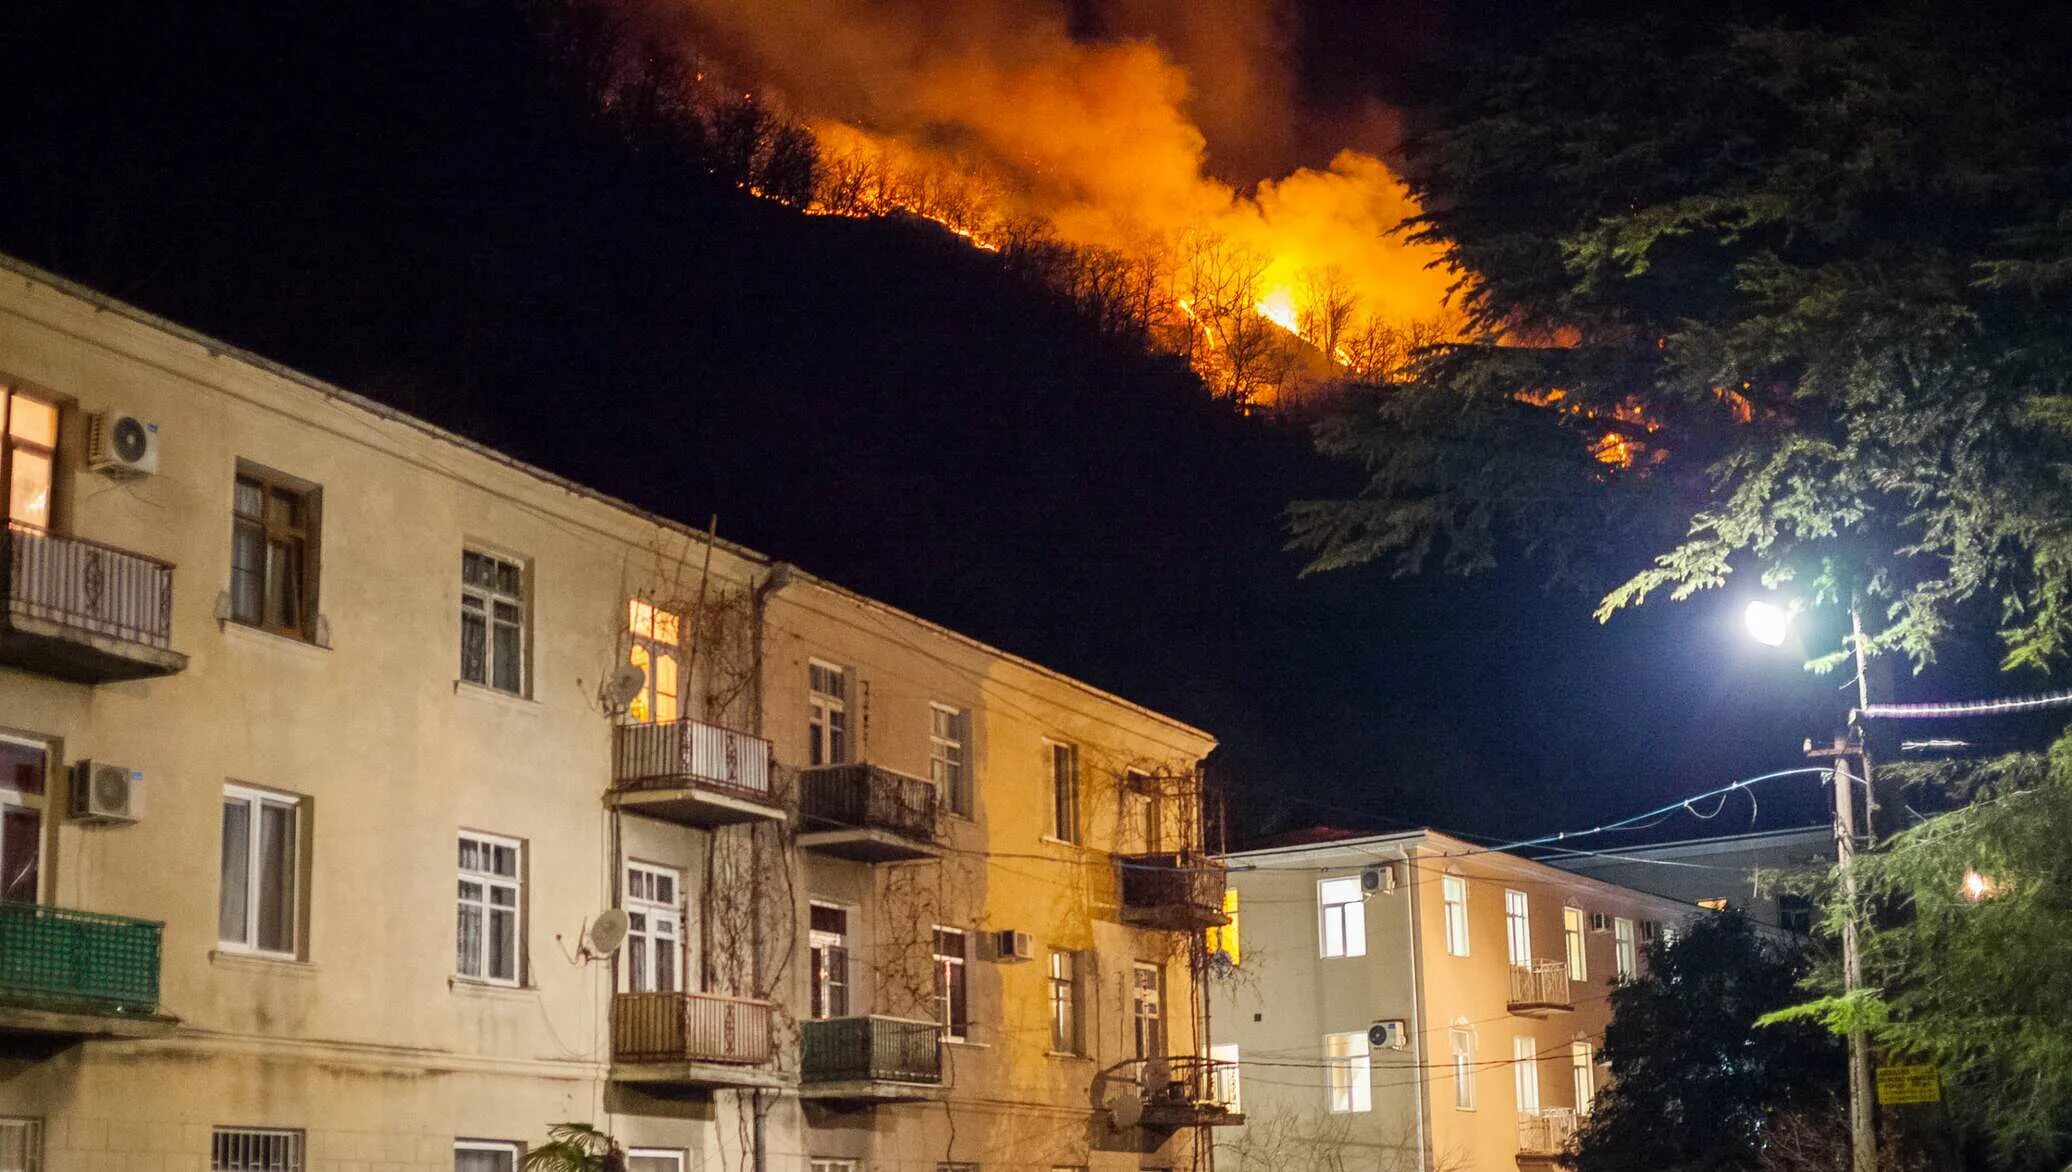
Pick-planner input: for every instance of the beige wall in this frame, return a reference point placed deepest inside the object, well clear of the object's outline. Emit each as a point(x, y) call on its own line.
point(365, 1039)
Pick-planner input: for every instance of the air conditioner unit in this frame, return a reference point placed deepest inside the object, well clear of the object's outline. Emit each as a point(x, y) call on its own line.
point(1600, 923)
point(1010, 946)
point(121, 444)
point(1387, 1035)
point(107, 793)
point(1380, 878)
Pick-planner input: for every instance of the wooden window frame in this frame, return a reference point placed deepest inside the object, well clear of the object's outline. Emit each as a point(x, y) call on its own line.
point(488, 597)
point(9, 444)
point(305, 536)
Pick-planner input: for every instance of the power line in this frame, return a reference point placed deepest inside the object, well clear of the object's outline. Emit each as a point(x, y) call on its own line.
point(2006, 706)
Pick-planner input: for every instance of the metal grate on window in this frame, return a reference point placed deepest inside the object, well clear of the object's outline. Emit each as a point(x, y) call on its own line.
point(252, 1149)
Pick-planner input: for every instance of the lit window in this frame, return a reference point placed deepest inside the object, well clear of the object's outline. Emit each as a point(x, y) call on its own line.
point(827, 701)
point(1226, 1082)
point(952, 998)
point(255, 1149)
point(655, 651)
point(1462, 1041)
point(1064, 1002)
point(947, 761)
point(1627, 960)
point(1455, 890)
point(256, 909)
point(1064, 791)
point(473, 1155)
point(1224, 939)
point(21, 1145)
point(491, 909)
point(1349, 1068)
point(1583, 1071)
point(272, 554)
point(1342, 913)
point(30, 454)
point(492, 622)
point(654, 916)
point(1517, 927)
point(1147, 1008)
point(1573, 935)
point(1525, 1074)
point(828, 952)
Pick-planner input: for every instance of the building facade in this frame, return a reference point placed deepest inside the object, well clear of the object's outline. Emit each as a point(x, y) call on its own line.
point(1414, 1003)
point(1732, 871)
point(375, 801)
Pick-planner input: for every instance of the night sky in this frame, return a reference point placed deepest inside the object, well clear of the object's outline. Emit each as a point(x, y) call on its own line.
point(405, 199)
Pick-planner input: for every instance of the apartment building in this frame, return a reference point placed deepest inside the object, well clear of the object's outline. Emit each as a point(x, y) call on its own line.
point(1415, 1003)
point(1728, 871)
point(374, 801)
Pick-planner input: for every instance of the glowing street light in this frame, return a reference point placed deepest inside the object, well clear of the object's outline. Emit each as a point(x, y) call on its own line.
point(1768, 623)
point(1977, 888)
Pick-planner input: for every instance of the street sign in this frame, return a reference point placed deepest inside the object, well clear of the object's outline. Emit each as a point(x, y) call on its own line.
point(1908, 1084)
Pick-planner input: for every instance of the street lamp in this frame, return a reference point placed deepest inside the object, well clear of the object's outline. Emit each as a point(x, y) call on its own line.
point(1770, 624)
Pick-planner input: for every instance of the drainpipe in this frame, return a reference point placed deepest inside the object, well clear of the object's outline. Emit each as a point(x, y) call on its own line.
point(1416, 1024)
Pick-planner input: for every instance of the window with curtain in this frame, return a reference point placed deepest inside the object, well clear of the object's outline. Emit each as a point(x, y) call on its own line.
point(492, 622)
point(1349, 1069)
point(1455, 891)
point(491, 907)
point(272, 554)
point(1342, 909)
point(256, 911)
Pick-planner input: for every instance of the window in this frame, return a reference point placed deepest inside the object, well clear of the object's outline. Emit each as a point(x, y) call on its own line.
point(30, 455)
point(952, 1002)
point(828, 943)
point(1572, 934)
point(653, 1160)
point(1347, 1064)
point(956, 1168)
point(1455, 890)
point(256, 910)
point(1147, 808)
point(833, 1166)
point(1626, 963)
point(1343, 915)
point(1462, 1041)
point(1147, 1008)
point(272, 553)
point(473, 1155)
point(827, 701)
point(21, 1145)
point(1225, 1082)
point(255, 1149)
point(948, 733)
point(1582, 1070)
point(1525, 1074)
point(492, 622)
point(655, 652)
point(1517, 927)
point(654, 936)
point(24, 774)
point(491, 904)
point(1064, 791)
point(1064, 1002)
point(1795, 914)
point(1224, 939)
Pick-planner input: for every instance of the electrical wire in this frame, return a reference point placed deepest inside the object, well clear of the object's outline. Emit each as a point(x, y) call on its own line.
point(2006, 706)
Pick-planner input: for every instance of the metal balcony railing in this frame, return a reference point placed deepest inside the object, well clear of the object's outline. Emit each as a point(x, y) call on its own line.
point(870, 1049)
point(1181, 1090)
point(1543, 984)
point(679, 752)
point(1546, 1132)
point(67, 961)
point(691, 1027)
point(1179, 890)
point(867, 797)
point(89, 586)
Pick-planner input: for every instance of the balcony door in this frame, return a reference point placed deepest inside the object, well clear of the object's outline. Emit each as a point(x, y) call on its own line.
point(24, 770)
point(829, 956)
point(655, 952)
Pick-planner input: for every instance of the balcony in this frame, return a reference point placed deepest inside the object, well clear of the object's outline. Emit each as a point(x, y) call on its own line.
point(1540, 988)
point(1545, 1134)
point(867, 813)
point(870, 1059)
point(692, 773)
point(1167, 1094)
point(66, 975)
point(692, 1041)
point(1176, 892)
point(83, 611)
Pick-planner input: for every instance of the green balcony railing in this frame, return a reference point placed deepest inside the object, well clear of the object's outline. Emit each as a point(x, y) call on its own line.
point(68, 961)
point(870, 1049)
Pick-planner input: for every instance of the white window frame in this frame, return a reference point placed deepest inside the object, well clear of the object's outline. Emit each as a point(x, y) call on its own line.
point(486, 599)
point(1525, 1073)
point(1147, 1008)
point(294, 1159)
point(1066, 788)
point(1518, 926)
point(648, 648)
point(819, 1164)
point(827, 715)
point(510, 1148)
point(817, 942)
point(28, 1132)
point(674, 1155)
point(516, 884)
point(1625, 958)
point(1349, 1072)
point(640, 977)
point(1227, 1077)
point(949, 758)
point(1454, 895)
point(1574, 936)
point(952, 971)
point(1063, 989)
point(1461, 1040)
point(1341, 933)
point(36, 804)
point(1582, 1066)
point(255, 802)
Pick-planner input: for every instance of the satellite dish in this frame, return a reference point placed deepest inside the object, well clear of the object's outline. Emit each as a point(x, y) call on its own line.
point(1126, 1109)
point(625, 684)
point(605, 933)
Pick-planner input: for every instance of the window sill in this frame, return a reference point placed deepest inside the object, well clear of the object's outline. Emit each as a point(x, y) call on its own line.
point(1068, 1056)
point(262, 637)
point(260, 962)
point(1054, 840)
point(469, 987)
point(496, 696)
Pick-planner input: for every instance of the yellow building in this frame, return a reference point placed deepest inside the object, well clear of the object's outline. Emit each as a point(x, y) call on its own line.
point(1415, 1003)
point(372, 800)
